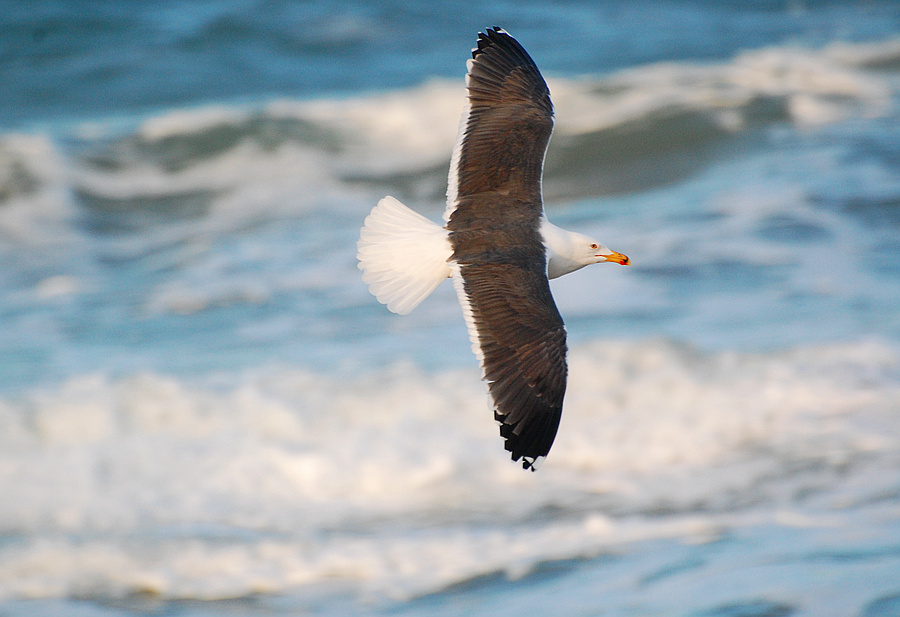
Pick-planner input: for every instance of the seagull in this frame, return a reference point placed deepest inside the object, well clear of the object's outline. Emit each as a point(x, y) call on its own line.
point(496, 245)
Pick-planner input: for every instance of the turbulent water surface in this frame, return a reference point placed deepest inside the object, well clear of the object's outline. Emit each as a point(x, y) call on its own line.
point(204, 412)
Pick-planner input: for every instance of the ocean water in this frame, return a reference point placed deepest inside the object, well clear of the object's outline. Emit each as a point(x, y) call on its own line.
point(203, 412)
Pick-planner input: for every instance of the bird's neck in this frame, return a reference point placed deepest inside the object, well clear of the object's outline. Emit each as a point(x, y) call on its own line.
point(559, 244)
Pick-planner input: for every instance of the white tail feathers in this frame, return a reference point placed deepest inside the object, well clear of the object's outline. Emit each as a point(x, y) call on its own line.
point(402, 254)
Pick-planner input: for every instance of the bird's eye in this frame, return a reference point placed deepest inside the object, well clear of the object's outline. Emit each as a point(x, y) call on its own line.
point(594, 247)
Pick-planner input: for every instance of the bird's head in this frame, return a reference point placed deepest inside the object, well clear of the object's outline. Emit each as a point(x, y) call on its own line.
point(589, 251)
point(600, 254)
point(568, 251)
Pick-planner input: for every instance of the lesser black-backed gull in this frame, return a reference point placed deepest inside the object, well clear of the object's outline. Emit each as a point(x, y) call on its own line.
point(497, 246)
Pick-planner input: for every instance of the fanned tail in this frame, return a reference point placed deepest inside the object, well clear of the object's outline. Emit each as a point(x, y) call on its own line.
point(402, 254)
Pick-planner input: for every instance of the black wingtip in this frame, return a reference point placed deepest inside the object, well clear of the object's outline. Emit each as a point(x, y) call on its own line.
point(490, 37)
point(524, 448)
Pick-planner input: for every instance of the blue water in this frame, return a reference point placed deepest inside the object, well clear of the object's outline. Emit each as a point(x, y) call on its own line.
point(73, 61)
point(204, 412)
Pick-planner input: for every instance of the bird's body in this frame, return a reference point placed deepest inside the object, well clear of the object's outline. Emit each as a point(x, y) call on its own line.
point(497, 246)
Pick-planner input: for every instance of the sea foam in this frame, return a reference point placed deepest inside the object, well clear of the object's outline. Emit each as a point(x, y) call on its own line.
point(285, 478)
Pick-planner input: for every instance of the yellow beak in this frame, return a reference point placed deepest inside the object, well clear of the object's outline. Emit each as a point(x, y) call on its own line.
point(618, 258)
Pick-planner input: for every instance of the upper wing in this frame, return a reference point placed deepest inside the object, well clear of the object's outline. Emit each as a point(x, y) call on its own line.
point(505, 128)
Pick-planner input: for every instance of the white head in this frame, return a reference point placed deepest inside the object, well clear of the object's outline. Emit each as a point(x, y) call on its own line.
point(568, 251)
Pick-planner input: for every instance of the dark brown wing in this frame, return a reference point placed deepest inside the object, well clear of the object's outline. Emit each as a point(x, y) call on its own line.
point(505, 128)
point(520, 338)
point(494, 223)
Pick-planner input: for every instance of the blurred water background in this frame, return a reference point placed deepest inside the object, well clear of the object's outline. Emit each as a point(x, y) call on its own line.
point(204, 412)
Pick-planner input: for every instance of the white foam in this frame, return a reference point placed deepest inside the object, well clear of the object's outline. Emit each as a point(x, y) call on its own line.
point(391, 131)
point(818, 87)
point(285, 478)
point(40, 212)
point(192, 120)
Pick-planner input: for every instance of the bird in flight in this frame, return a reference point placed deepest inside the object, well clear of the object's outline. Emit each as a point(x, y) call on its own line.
point(496, 245)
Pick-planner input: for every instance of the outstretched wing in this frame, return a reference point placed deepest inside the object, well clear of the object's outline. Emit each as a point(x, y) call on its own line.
point(493, 214)
point(504, 129)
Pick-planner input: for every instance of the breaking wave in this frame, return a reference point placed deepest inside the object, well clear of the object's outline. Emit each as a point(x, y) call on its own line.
point(288, 478)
